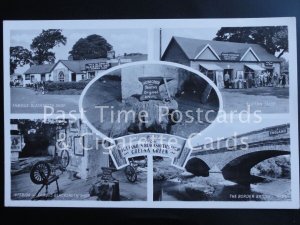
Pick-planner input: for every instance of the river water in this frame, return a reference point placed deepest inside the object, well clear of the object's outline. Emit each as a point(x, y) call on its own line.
point(215, 188)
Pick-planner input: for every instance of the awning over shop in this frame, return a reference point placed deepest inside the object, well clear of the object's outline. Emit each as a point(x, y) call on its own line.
point(255, 67)
point(211, 66)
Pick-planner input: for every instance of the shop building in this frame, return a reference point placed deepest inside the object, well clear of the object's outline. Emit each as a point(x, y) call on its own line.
point(220, 61)
point(74, 70)
point(37, 73)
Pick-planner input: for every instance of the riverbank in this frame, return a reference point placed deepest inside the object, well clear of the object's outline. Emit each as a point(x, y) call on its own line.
point(172, 184)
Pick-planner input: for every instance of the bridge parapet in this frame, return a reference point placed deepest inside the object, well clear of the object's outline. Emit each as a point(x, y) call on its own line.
point(269, 139)
point(267, 136)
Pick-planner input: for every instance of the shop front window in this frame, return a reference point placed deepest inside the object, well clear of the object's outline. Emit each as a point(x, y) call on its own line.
point(61, 76)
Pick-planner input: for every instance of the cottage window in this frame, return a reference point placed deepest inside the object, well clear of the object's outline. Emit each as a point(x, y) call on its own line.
point(27, 77)
point(61, 76)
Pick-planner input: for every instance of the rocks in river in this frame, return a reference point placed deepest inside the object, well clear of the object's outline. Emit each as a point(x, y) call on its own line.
point(166, 173)
point(159, 175)
point(186, 175)
point(206, 189)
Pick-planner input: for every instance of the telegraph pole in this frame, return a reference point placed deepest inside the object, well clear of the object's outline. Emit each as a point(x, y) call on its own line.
point(159, 43)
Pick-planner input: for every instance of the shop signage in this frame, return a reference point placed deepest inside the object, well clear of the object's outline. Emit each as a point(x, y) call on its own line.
point(97, 66)
point(151, 88)
point(150, 144)
point(120, 61)
point(16, 143)
point(230, 56)
point(277, 131)
point(268, 63)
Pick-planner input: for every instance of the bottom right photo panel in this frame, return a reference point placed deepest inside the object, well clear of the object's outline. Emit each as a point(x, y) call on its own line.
point(249, 165)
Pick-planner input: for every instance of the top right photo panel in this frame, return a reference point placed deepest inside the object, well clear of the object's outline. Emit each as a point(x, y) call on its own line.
point(249, 65)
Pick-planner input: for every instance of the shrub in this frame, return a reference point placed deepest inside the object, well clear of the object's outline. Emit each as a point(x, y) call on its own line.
point(54, 86)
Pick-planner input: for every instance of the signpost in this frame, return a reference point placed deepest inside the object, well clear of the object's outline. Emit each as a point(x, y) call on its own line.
point(151, 144)
point(151, 87)
point(107, 173)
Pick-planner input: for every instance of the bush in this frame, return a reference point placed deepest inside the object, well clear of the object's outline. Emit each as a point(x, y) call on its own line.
point(54, 86)
point(273, 167)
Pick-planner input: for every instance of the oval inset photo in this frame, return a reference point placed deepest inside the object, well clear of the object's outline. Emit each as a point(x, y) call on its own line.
point(150, 97)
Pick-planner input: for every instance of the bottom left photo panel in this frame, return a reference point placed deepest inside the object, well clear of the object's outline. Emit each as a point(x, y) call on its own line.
point(64, 160)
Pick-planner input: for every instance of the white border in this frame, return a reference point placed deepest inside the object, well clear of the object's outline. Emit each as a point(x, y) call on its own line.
point(153, 25)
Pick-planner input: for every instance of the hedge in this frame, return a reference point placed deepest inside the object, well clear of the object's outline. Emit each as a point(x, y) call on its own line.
point(54, 86)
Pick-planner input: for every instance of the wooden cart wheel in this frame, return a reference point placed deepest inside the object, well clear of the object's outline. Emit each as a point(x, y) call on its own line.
point(64, 158)
point(40, 172)
point(130, 174)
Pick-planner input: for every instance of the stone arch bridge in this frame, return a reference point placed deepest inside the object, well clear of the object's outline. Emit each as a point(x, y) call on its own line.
point(235, 156)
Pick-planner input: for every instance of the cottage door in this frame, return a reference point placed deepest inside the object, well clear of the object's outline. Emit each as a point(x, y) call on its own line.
point(73, 77)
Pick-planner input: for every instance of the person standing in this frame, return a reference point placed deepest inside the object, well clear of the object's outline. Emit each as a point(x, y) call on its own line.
point(43, 87)
point(280, 80)
point(283, 80)
point(265, 79)
point(275, 79)
point(226, 79)
point(36, 87)
point(256, 80)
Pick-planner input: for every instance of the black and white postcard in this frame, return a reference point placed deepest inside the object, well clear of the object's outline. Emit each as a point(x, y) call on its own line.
point(189, 113)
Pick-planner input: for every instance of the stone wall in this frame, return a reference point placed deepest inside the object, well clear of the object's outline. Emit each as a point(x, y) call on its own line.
point(89, 165)
point(96, 159)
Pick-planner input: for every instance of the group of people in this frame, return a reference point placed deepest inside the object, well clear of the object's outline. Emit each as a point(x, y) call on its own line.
point(15, 83)
point(39, 86)
point(264, 79)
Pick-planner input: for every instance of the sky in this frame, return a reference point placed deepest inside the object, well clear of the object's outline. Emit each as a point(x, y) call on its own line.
point(200, 33)
point(196, 33)
point(122, 40)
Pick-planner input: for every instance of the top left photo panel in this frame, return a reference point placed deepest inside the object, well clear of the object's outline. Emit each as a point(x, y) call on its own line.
point(49, 68)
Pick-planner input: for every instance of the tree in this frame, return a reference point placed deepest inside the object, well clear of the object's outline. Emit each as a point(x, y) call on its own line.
point(44, 129)
point(45, 41)
point(92, 47)
point(19, 56)
point(274, 39)
point(284, 64)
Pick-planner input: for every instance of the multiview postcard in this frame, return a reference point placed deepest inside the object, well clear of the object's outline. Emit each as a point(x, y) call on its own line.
point(189, 113)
